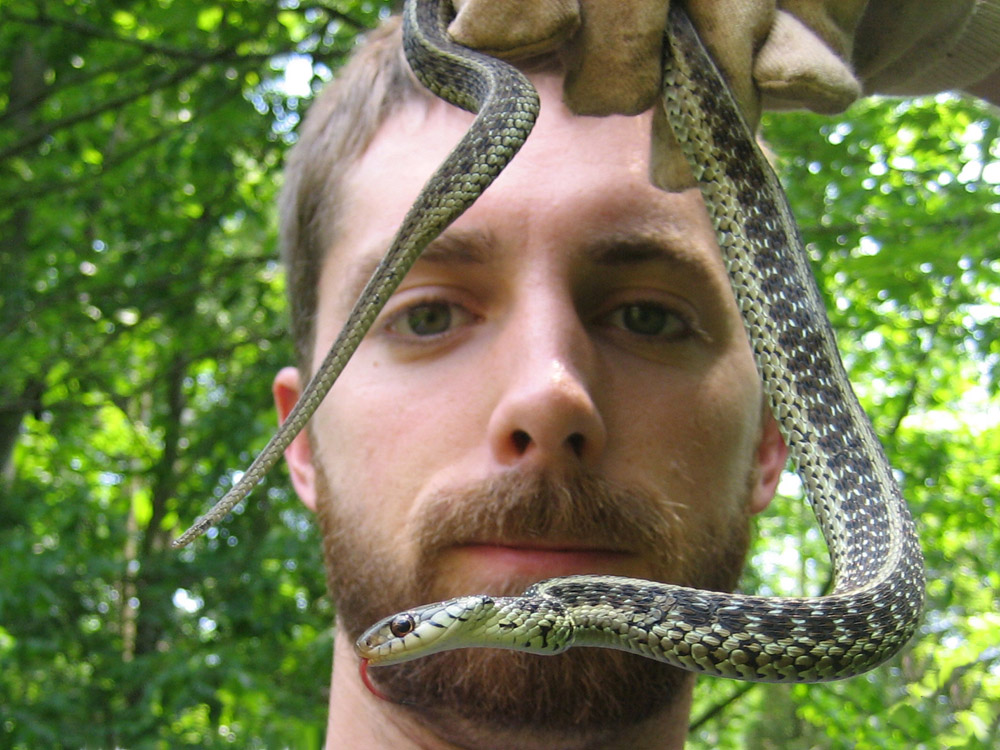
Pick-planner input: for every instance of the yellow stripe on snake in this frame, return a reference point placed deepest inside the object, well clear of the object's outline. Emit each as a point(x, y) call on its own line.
point(877, 596)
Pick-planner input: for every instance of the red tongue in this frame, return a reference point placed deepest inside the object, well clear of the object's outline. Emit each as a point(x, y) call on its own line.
point(363, 668)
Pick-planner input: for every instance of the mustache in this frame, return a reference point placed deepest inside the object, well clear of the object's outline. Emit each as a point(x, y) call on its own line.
point(579, 508)
point(586, 690)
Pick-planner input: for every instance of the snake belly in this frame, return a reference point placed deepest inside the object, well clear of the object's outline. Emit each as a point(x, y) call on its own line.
point(506, 106)
point(877, 596)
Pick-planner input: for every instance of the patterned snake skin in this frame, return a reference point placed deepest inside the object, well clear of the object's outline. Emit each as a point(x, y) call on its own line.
point(877, 596)
point(878, 593)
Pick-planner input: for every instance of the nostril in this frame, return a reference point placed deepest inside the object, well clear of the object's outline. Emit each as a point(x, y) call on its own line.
point(521, 441)
point(576, 441)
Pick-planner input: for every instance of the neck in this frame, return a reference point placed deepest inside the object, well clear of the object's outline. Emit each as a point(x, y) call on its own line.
point(359, 720)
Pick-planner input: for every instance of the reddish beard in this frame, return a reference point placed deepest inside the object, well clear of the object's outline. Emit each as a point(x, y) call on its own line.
point(583, 690)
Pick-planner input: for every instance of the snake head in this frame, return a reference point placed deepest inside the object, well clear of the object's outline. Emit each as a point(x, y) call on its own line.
point(466, 622)
point(425, 630)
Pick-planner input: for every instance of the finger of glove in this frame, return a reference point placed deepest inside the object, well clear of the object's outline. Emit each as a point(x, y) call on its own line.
point(733, 31)
point(805, 60)
point(832, 21)
point(514, 29)
point(613, 64)
point(668, 167)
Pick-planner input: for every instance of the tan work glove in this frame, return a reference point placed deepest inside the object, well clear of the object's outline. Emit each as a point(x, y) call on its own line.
point(790, 52)
point(774, 53)
point(911, 47)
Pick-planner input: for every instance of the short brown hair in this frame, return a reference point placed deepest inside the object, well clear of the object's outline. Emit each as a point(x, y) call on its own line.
point(375, 83)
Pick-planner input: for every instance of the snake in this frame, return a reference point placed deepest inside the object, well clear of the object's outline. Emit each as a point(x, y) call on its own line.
point(506, 106)
point(877, 593)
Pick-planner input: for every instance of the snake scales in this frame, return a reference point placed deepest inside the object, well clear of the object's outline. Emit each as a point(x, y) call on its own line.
point(878, 589)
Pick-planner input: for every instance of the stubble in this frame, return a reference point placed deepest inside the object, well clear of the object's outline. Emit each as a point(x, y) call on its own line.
point(582, 690)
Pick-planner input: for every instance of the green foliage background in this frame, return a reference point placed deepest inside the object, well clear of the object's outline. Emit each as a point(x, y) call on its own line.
point(143, 318)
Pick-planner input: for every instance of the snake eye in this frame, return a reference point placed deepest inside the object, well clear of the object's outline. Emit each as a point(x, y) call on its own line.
point(402, 625)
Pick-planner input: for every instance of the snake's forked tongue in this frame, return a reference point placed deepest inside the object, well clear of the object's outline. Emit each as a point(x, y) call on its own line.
point(366, 679)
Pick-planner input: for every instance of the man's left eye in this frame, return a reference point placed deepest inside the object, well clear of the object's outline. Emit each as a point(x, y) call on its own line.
point(428, 319)
point(649, 319)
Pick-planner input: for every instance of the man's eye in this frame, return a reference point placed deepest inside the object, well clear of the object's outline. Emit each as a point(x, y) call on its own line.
point(649, 319)
point(426, 319)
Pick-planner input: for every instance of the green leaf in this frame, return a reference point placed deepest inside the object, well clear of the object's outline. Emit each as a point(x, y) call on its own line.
point(209, 18)
point(124, 19)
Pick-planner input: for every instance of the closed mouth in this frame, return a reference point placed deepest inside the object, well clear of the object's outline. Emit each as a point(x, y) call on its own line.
point(547, 559)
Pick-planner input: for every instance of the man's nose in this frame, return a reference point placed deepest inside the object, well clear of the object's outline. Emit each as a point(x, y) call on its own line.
point(546, 414)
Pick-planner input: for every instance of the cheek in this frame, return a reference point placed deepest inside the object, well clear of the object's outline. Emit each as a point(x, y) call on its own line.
point(696, 433)
point(385, 434)
point(353, 428)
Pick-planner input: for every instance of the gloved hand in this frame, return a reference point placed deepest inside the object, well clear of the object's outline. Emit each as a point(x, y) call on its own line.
point(775, 53)
point(914, 47)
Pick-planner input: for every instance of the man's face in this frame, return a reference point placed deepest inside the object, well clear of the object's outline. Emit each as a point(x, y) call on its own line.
point(574, 329)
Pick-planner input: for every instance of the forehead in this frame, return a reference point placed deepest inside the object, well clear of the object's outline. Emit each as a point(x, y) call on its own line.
point(418, 130)
point(590, 173)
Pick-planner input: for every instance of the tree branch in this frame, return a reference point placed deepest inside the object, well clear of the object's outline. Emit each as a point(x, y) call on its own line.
point(22, 195)
point(44, 132)
point(85, 77)
point(46, 20)
point(712, 711)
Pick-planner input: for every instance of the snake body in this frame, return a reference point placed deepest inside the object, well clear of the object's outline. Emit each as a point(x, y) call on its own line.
point(506, 105)
point(877, 596)
point(878, 592)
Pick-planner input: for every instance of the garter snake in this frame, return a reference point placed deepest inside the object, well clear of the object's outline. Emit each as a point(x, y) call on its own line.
point(877, 595)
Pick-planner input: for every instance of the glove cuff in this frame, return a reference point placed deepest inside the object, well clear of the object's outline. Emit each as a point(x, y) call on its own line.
point(947, 46)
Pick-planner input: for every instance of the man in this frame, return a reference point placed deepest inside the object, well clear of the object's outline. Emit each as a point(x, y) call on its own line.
point(561, 385)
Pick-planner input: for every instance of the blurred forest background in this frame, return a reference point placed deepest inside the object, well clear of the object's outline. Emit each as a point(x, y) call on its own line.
point(142, 318)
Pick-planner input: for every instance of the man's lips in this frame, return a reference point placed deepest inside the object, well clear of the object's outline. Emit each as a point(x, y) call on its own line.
point(542, 560)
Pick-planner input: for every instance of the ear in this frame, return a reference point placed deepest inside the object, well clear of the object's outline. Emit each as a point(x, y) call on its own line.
point(286, 388)
point(772, 454)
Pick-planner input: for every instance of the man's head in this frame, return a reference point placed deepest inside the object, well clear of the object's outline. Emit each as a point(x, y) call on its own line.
point(561, 385)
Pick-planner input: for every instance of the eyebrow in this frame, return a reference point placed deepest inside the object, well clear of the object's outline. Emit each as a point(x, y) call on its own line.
point(453, 247)
point(474, 247)
point(457, 246)
point(620, 250)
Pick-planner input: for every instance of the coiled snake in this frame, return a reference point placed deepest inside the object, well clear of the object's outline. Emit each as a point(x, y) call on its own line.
point(877, 595)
